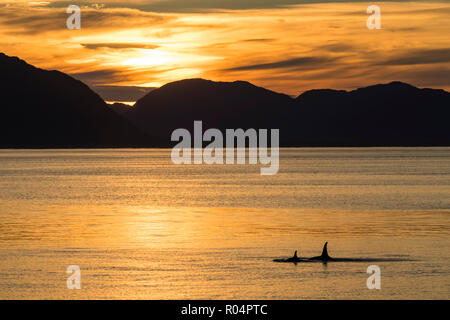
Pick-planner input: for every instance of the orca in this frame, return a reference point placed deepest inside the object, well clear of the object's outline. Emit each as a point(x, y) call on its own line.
point(324, 256)
point(294, 259)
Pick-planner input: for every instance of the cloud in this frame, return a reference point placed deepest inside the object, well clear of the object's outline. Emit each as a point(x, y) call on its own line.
point(102, 78)
point(435, 77)
point(258, 40)
point(289, 63)
point(198, 6)
point(99, 76)
point(336, 47)
point(21, 20)
point(38, 3)
point(119, 45)
point(287, 50)
point(35, 20)
point(415, 57)
point(193, 6)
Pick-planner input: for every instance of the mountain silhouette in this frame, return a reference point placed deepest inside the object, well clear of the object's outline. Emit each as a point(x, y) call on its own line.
point(49, 109)
point(218, 104)
point(120, 108)
point(394, 114)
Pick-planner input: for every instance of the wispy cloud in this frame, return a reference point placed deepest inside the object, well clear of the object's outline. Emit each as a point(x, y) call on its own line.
point(36, 20)
point(119, 46)
point(417, 56)
point(125, 44)
point(99, 76)
point(201, 6)
point(308, 62)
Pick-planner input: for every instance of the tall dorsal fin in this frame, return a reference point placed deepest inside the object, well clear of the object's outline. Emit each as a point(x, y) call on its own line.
point(325, 251)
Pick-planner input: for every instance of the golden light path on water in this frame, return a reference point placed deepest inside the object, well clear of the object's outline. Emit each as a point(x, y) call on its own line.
point(140, 227)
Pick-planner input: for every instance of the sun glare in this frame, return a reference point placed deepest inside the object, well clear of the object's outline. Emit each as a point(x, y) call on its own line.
point(150, 58)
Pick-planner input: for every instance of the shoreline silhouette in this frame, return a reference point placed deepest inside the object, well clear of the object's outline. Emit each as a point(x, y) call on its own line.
point(62, 112)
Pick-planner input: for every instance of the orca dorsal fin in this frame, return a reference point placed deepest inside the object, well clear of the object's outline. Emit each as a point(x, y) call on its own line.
point(295, 254)
point(325, 251)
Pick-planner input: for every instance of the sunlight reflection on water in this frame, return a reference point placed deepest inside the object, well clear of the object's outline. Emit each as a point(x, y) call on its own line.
point(140, 227)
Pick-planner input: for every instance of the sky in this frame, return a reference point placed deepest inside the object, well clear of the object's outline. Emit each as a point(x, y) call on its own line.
point(289, 46)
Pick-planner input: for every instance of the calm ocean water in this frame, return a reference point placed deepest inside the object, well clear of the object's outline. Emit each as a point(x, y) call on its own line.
point(140, 227)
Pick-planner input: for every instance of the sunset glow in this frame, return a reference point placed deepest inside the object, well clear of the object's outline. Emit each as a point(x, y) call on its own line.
point(289, 49)
point(233, 155)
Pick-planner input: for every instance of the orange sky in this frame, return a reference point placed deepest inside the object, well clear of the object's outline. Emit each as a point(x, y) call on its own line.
point(289, 49)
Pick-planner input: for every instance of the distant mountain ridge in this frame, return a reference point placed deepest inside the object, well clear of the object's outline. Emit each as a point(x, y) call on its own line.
point(120, 108)
point(219, 105)
point(393, 114)
point(48, 109)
